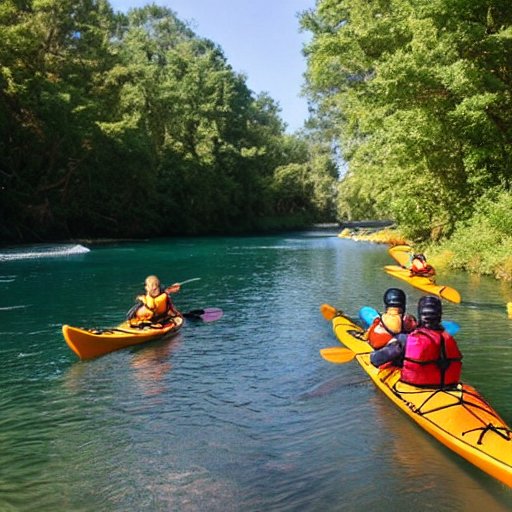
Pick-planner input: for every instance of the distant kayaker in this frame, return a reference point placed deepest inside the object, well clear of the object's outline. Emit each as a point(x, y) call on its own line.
point(156, 304)
point(429, 356)
point(393, 321)
point(420, 267)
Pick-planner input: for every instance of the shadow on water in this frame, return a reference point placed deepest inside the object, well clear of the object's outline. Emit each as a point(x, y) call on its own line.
point(333, 385)
point(485, 306)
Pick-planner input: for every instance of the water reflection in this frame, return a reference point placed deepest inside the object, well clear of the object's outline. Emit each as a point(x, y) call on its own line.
point(414, 456)
point(151, 364)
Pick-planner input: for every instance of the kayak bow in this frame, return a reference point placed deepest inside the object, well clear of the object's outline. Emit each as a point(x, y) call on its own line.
point(460, 418)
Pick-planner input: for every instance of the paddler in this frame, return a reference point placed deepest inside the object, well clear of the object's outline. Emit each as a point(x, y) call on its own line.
point(156, 304)
point(429, 356)
point(420, 267)
point(393, 321)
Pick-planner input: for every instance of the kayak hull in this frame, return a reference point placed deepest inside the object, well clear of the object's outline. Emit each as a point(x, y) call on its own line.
point(459, 418)
point(424, 284)
point(92, 343)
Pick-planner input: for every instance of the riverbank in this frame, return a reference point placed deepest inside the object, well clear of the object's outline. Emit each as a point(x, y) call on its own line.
point(486, 261)
point(444, 255)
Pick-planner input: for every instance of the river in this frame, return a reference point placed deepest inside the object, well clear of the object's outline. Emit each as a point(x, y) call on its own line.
point(241, 414)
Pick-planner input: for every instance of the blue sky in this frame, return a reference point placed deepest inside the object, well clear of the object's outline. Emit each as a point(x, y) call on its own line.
point(260, 38)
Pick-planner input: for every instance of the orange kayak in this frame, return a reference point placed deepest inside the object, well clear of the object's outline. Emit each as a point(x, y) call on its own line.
point(91, 343)
point(460, 418)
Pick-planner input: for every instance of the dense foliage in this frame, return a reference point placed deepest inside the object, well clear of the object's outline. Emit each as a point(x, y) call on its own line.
point(418, 98)
point(132, 125)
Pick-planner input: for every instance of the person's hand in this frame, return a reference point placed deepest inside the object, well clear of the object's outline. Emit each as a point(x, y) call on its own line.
point(174, 288)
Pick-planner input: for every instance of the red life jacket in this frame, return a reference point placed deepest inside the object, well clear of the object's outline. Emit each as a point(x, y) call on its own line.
point(422, 268)
point(431, 359)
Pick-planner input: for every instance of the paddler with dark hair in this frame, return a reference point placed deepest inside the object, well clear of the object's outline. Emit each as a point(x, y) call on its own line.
point(429, 356)
point(393, 321)
point(155, 305)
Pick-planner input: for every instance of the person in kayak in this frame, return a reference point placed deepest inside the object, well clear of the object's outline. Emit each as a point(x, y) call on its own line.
point(156, 304)
point(429, 356)
point(392, 322)
point(420, 267)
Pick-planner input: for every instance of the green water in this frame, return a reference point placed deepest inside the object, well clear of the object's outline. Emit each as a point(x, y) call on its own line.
point(237, 415)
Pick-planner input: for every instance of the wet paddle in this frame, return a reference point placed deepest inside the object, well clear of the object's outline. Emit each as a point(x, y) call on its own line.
point(367, 315)
point(328, 311)
point(205, 315)
point(337, 355)
point(189, 280)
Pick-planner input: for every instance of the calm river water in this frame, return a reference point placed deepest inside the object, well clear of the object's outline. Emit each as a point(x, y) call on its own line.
point(237, 415)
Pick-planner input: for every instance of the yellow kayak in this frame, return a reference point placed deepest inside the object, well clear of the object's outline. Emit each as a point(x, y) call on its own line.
point(402, 254)
point(91, 343)
point(459, 418)
point(425, 284)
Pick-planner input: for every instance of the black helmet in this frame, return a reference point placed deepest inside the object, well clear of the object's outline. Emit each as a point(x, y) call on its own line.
point(430, 309)
point(420, 257)
point(395, 297)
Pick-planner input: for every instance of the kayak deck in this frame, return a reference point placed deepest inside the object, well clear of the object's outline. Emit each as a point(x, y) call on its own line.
point(460, 418)
point(91, 343)
point(423, 283)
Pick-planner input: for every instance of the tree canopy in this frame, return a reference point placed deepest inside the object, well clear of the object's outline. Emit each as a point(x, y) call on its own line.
point(132, 125)
point(417, 96)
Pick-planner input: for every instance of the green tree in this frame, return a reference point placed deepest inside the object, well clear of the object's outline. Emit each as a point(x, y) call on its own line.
point(419, 95)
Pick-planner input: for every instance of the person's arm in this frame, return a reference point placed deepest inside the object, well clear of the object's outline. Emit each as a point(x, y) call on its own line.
point(391, 352)
point(174, 288)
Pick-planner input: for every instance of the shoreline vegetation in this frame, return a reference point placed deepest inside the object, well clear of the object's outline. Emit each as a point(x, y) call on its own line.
point(441, 255)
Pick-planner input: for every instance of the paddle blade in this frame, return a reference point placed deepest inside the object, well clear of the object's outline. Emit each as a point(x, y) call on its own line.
point(509, 309)
point(451, 327)
point(328, 311)
point(212, 314)
point(450, 294)
point(206, 314)
point(337, 355)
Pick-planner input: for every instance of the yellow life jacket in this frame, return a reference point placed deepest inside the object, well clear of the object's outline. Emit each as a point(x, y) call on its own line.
point(157, 305)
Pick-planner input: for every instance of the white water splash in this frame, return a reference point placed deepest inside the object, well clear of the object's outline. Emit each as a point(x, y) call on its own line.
point(36, 252)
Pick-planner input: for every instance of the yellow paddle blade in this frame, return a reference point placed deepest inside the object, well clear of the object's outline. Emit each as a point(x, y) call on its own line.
point(401, 254)
point(328, 311)
point(337, 355)
point(450, 294)
point(509, 309)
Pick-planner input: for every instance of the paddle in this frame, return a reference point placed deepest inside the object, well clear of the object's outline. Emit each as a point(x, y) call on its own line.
point(337, 355)
point(189, 280)
point(367, 314)
point(206, 314)
point(329, 312)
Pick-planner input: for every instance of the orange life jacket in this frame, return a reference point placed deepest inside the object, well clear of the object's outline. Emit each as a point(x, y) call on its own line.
point(388, 325)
